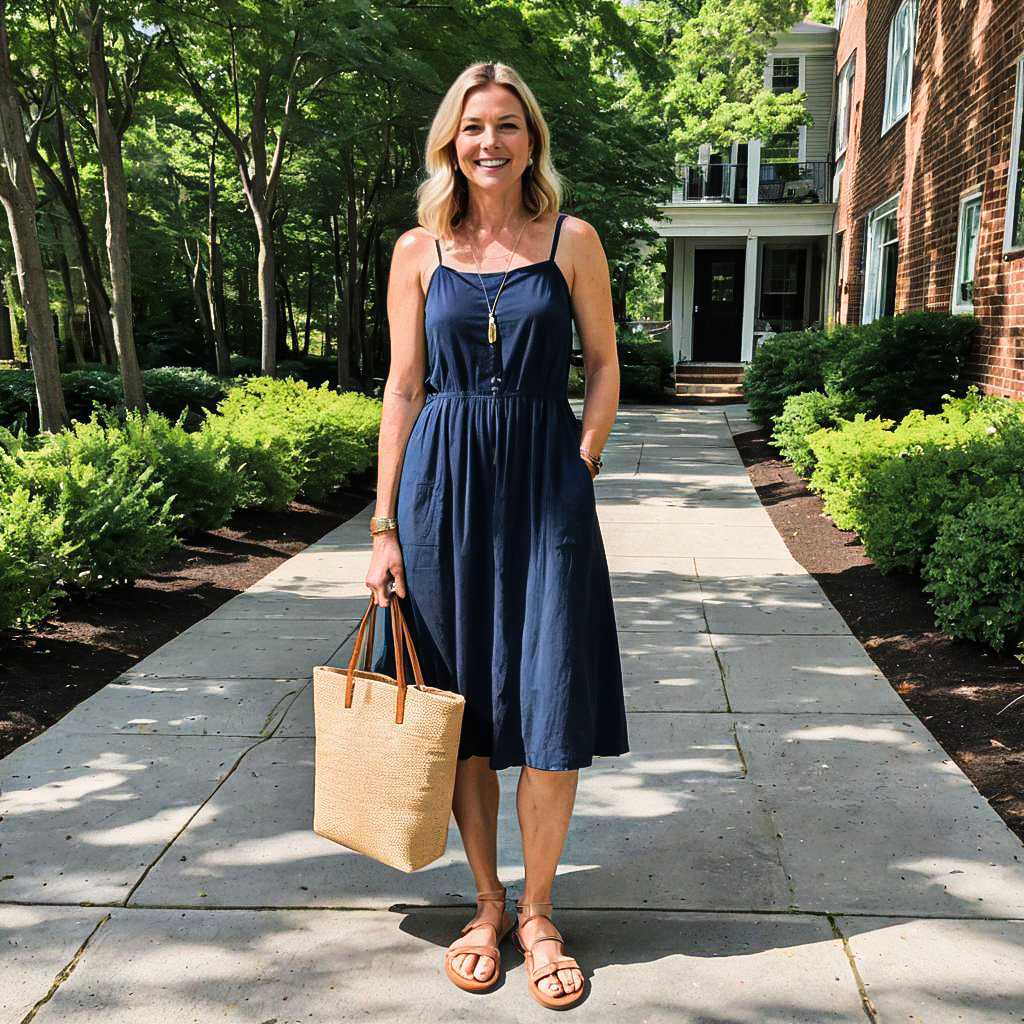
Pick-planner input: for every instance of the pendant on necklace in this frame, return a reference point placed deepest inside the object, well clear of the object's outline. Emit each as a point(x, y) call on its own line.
point(492, 329)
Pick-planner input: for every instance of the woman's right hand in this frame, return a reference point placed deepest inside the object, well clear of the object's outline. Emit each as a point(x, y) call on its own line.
point(386, 568)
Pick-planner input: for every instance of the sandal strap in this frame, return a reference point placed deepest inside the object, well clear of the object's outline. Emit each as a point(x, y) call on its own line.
point(562, 963)
point(492, 951)
point(495, 896)
point(532, 910)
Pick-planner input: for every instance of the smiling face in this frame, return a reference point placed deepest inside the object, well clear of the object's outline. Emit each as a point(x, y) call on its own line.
point(492, 144)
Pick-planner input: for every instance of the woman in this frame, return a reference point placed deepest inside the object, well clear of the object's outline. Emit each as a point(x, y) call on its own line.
point(485, 517)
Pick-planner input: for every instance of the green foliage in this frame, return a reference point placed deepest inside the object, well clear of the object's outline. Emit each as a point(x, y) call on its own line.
point(194, 468)
point(783, 366)
point(172, 390)
point(117, 517)
point(642, 382)
point(645, 363)
point(904, 362)
point(283, 438)
point(33, 554)
point(973, 571)
point(803, 415)
point(893, 485)
point(577, 384)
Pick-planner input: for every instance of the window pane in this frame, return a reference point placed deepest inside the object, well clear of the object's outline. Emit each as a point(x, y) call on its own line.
point(1016, 192)
point(785, 74)
point(722, 281)
point(889, 259)
point(971, 220)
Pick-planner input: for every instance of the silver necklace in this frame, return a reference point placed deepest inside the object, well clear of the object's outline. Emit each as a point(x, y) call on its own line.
point(492, 326)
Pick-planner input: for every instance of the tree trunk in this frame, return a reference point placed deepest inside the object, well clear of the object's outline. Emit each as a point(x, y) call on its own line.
point(18, 195)
point(194, 270)
point(309, 297)
point(215, 271)
point(268, 301)
point(340, 308)
point(65, 189)
point(70, 334)
point(6, 342)
point(289, 315)
point(353, 315)
point(108, 142)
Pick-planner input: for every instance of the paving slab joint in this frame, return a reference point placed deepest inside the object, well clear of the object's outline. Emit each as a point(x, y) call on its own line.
point(870, 1010)
point(65, 972)
point(170, 842)
point(265, 730)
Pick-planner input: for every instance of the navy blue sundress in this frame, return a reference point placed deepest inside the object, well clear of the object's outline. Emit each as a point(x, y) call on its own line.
point(508, 596)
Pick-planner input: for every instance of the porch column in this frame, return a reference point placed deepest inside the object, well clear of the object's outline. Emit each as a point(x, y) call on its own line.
point(749, 299)
point(753, 171)
point(678, 260)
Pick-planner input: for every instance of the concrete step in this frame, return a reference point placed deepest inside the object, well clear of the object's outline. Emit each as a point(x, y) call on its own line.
point(708, 373)
point(710, 388)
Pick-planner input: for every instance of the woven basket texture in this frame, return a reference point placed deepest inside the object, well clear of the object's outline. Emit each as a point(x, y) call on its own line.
point(380, 788)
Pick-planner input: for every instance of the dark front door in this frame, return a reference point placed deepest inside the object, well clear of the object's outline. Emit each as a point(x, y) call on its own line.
point(718, 305)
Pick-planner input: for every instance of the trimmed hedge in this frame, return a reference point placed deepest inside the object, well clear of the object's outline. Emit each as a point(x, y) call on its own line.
point(284, 437)
point(885, 368)
point(973, 571)
point(92, 506)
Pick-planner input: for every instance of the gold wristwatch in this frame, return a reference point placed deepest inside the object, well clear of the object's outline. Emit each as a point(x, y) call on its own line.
point(382, 524)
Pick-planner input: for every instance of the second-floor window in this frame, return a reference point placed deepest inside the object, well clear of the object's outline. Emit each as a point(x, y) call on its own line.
point(785, 146)
point(899, 70)
point(1013, 239)
point(844, 105)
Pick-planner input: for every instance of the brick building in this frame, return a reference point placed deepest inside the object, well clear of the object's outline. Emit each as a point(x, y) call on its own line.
point(929, 170)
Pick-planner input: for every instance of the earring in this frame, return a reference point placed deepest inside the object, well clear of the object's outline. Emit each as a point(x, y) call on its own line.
point(529, 163)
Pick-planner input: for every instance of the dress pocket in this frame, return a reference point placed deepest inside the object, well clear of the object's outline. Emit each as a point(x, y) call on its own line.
point(420, 556)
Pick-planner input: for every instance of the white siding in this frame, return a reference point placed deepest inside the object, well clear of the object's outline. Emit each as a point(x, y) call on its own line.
point(818, 75)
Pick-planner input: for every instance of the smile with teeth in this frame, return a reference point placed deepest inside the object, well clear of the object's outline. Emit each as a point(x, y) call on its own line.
point(493, 162)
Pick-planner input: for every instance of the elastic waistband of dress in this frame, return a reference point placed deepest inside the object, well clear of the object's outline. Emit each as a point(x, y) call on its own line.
point(551, 397)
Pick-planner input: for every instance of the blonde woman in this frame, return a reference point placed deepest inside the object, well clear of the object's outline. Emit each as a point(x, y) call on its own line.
point(485, 523)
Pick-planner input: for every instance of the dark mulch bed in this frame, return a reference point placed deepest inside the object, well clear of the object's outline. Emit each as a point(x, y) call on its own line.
point(955, 688)
point(93, 638)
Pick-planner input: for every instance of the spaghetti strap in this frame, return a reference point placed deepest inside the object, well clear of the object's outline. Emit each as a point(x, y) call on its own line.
point(437, 246)
point(558, 231)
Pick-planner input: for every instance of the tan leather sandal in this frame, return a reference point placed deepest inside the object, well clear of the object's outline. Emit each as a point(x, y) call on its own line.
point(536, 974)
point(475, 984)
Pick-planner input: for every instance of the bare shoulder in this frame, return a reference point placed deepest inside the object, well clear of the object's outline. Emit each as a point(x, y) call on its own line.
point(414, 254)
point(581, 232)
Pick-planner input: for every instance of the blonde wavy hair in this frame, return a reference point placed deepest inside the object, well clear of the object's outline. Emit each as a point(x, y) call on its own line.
point(442, 200)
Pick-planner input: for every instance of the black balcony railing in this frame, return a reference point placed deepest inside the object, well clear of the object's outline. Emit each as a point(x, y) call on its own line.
point(797, 182)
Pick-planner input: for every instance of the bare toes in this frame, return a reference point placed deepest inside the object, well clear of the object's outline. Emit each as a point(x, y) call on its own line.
point(567, 980)
point(484, 968)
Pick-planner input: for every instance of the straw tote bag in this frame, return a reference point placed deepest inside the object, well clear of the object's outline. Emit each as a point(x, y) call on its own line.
point(384, 764)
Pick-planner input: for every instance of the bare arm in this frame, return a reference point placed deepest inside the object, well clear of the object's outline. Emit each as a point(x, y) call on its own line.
point(404, 396)
point(591, 294)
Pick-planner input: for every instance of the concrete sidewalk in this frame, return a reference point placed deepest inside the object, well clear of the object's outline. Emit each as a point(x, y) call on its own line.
point(784, 843)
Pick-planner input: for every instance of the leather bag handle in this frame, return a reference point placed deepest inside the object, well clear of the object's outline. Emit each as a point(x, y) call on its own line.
point(402, 643)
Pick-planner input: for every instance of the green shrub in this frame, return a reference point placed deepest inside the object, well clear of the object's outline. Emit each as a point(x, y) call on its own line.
point(241, 365)
point(172, 390)
point(17, 397)
point(33, 556)
point(285, 438)
point(645, 363)
point(905, 362)
point(644, 382)
point(786, 365)
point(973, 572)
point(801, 416)
point(87, 390)
point(194, 468)
point(893, 485)
point(116, 517)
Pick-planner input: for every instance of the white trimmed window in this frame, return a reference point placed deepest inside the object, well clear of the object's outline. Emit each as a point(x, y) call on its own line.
point(882, 260)
point(786, 74)
point(1013, 239)
point(966, 253)
point(844, 104)
point(899, 71)
point(840, 14)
